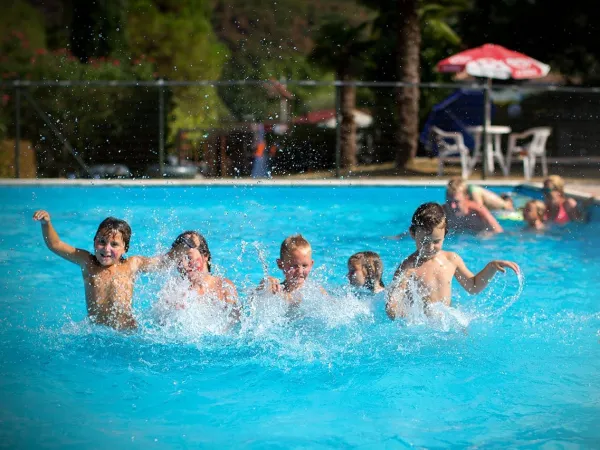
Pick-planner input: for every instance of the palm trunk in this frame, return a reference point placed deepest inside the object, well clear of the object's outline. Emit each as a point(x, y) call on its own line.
point(407, 97)
point(348, 126)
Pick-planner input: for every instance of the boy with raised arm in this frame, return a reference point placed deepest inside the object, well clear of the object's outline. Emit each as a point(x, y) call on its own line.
point(431, 269)
point(108, 277)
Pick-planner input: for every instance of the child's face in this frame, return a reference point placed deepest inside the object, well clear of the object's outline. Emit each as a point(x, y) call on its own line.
point(109, 248)
point(530, 214)
point(296, 266)
point(429, 244)
point(551, 194)
point(356, 274)
point(189, 258)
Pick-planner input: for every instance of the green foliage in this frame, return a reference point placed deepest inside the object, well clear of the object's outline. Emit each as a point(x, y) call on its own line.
point(177, 36)
point(103, 124)
point(19, 17)
point(343, 48)
point(97, 29)
point(438, 21)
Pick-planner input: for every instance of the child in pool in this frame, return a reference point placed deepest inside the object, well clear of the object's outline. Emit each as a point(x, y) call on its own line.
point(193, 260)
point(365, 269)
point(295, 260)
point(464, 214)
point(431, 269)
point(533, 214)
point(487, 198)
point(560, 208)
point(108, 276)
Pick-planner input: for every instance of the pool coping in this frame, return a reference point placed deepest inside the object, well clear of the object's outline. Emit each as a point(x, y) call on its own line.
point(245, 182)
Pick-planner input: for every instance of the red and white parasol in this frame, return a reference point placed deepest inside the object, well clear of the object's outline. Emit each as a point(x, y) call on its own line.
point(494, 61)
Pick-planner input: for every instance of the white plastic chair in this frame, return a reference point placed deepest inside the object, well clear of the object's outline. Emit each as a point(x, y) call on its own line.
point(449, 144)
point(532, 145)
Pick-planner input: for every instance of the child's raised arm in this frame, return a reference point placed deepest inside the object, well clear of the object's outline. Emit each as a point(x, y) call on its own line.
point(474, 284)
point(53, 242)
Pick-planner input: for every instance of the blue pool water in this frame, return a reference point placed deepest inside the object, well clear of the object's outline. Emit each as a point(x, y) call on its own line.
point(503, 369)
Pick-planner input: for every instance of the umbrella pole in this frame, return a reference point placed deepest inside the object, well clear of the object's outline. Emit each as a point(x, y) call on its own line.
point(487, 120)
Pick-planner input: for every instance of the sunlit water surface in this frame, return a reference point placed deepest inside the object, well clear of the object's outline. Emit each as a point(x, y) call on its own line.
point(505, 368)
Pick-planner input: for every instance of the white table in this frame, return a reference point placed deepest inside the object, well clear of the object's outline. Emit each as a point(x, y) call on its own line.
point(493, 146)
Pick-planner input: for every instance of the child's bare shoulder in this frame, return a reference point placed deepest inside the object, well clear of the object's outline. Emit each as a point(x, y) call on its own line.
point(451, 257)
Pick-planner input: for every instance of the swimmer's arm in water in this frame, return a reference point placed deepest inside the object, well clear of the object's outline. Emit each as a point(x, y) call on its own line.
point(474, 284)
point(398, 237)
point(488, 218)
point(397, 296)
point(53, 242)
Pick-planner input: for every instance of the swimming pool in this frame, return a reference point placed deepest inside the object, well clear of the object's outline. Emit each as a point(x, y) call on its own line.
point(499, 374)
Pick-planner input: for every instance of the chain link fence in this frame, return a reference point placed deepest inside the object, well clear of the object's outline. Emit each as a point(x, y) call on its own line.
point(161, 128)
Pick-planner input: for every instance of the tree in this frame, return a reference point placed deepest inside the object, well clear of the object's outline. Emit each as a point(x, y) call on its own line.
point(342, 48)
point(98, 29)
point(399, 28)
point(408, 64)
point(177, 36)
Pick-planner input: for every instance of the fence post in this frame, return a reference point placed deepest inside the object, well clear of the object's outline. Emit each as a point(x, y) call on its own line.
point(17, 130)
point(161, 126)
point(487, 113)
point(338, 129)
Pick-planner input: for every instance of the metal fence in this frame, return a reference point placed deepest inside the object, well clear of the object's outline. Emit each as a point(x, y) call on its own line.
point(152, 127)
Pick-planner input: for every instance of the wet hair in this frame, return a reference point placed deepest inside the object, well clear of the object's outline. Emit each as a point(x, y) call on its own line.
point(202, 246)
point(112, 225)
point(291, 243)
point(557, 181)
point(455, 185)
point(539, 207)
point(373, 266)
point(429, 216)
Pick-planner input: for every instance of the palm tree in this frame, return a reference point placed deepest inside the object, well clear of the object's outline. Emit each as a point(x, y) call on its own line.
point(408, 64)
point(342, 48)
point(399, 27)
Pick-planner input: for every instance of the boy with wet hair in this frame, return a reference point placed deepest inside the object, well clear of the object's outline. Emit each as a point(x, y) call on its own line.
point(431, 269)
point(295, 260)
point(108, 276)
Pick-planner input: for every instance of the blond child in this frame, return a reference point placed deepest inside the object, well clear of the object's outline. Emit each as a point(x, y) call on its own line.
point(193, 259)
point(561, 209)
point(430, 269)
point(107, 275)
point(295, 260)
point(365, 269)
point(533, 214)
point(464, 214)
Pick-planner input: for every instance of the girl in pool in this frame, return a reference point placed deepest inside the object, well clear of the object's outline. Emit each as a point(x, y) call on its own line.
point(560, 208)
point(194, 264)
point(533, 214)
point(365, 269)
